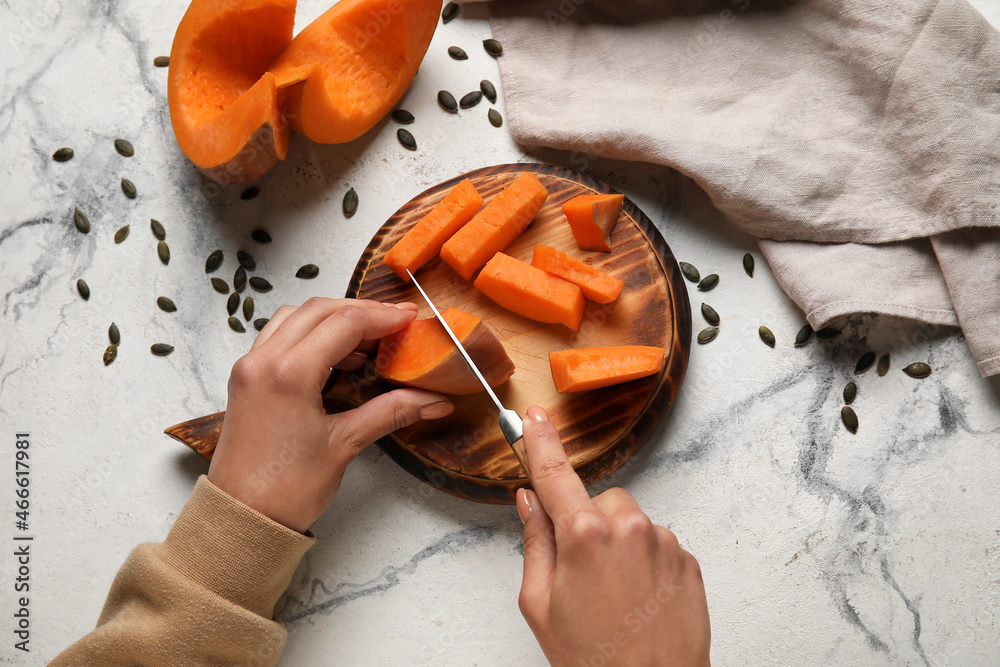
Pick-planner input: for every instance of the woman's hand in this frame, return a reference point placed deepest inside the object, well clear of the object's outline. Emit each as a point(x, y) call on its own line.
point(279, 451)
point(602, 584)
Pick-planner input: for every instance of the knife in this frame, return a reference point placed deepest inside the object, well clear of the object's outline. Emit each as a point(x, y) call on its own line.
point(510, 421)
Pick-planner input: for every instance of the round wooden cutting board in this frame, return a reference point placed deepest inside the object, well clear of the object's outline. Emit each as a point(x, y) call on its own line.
point(465, 454)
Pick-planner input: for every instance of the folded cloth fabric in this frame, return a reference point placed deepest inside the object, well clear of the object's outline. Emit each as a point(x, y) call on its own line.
point(857, 140)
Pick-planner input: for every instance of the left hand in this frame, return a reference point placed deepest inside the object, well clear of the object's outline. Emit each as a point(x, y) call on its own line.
point(280, 452)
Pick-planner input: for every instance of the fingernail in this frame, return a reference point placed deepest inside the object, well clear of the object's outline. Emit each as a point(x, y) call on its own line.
point(536, 414)
point(523, 504)
point(436, 410)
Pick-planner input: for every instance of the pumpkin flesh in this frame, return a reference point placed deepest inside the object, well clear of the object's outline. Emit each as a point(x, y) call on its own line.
point(224, 107)
point(591, 218)
point(588, 368)
point(522, 289)
point(349, 67)
point(595, 284)
point(496, 226)
point(423, 355)
point(424, 240)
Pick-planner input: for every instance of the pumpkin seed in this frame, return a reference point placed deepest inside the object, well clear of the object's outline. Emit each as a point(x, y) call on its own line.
point(766, 336)
point(496, 120)
point(83, 288)
point(748, 264)
point(918, 370)
point(708, 282)
point(493, 47)
point(708, 334)
point(850, 392)
point(113, 334)
point(157, 228)
point(63, 155)
point(402, 116)
point(161, 349)
point(249, 194)
point(470, 100)
point(81, 221)
point(709, 314)
point(803, 336)
point(233, 303)
point(239, 279)
point(161, 61)
point(447, 101)
point(260, 284)
point(124, 147)
point(246, 260)
point(121, 234)
point(260, 236)
point(449, 12)
point(163, 250)
point(236, 325)
point(261, 322)
point(307, 271)
point(406, 139)
point(350, 204)
point(864, 363)
point(883, 365)
point(489, 90)
point(826, 333)
point(220, 286)
point(248, 308)
point(128, 187)
point(110, 353)
point(690, 272)
point(457, 53)
point(213, 262)
point(850, 418)
point(166, 304)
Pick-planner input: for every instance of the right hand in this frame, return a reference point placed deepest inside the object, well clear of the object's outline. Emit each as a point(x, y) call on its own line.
point(602, 584)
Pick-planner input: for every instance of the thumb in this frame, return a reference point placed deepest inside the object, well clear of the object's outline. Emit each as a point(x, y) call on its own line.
point(356, 429)
point(539, 557)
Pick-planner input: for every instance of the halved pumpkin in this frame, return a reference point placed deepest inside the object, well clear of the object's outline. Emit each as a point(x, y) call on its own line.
point(224, 105)
point(349, 67)
point(423, 355)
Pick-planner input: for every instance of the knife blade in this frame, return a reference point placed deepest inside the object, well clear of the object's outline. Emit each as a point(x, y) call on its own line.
point(510, 421)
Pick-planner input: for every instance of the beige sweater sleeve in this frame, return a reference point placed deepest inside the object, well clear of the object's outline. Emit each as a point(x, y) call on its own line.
point(205, 596)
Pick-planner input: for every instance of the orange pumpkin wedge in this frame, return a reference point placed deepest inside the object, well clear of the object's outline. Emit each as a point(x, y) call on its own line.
point(224, 107)
point(423, 356)
point(521, 288)
point(595, 284)
point(424, 240)
point(591, 218)
point(496, 226)
point(348, 68)
point(594, 367)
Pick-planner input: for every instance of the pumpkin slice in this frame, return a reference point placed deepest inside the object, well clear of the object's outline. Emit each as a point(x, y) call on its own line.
point(423, 356)
point(592, 217)
point(595, 284)
point(348, 68)
point(521, 288)
point(224, 107)
point(593, 367)
point(496, 226)
point(424, 240)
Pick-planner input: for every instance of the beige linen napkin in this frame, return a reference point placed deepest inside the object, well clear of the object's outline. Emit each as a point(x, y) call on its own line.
point(857, 140)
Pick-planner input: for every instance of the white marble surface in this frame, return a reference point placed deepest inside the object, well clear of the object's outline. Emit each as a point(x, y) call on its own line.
point(818, 547)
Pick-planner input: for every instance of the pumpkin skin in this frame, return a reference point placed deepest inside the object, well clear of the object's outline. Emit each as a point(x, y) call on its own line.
point(350, 67)
point(225, 107)
point(423, 356)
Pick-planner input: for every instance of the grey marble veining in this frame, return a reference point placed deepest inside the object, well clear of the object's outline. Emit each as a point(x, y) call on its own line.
point(818, 547)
